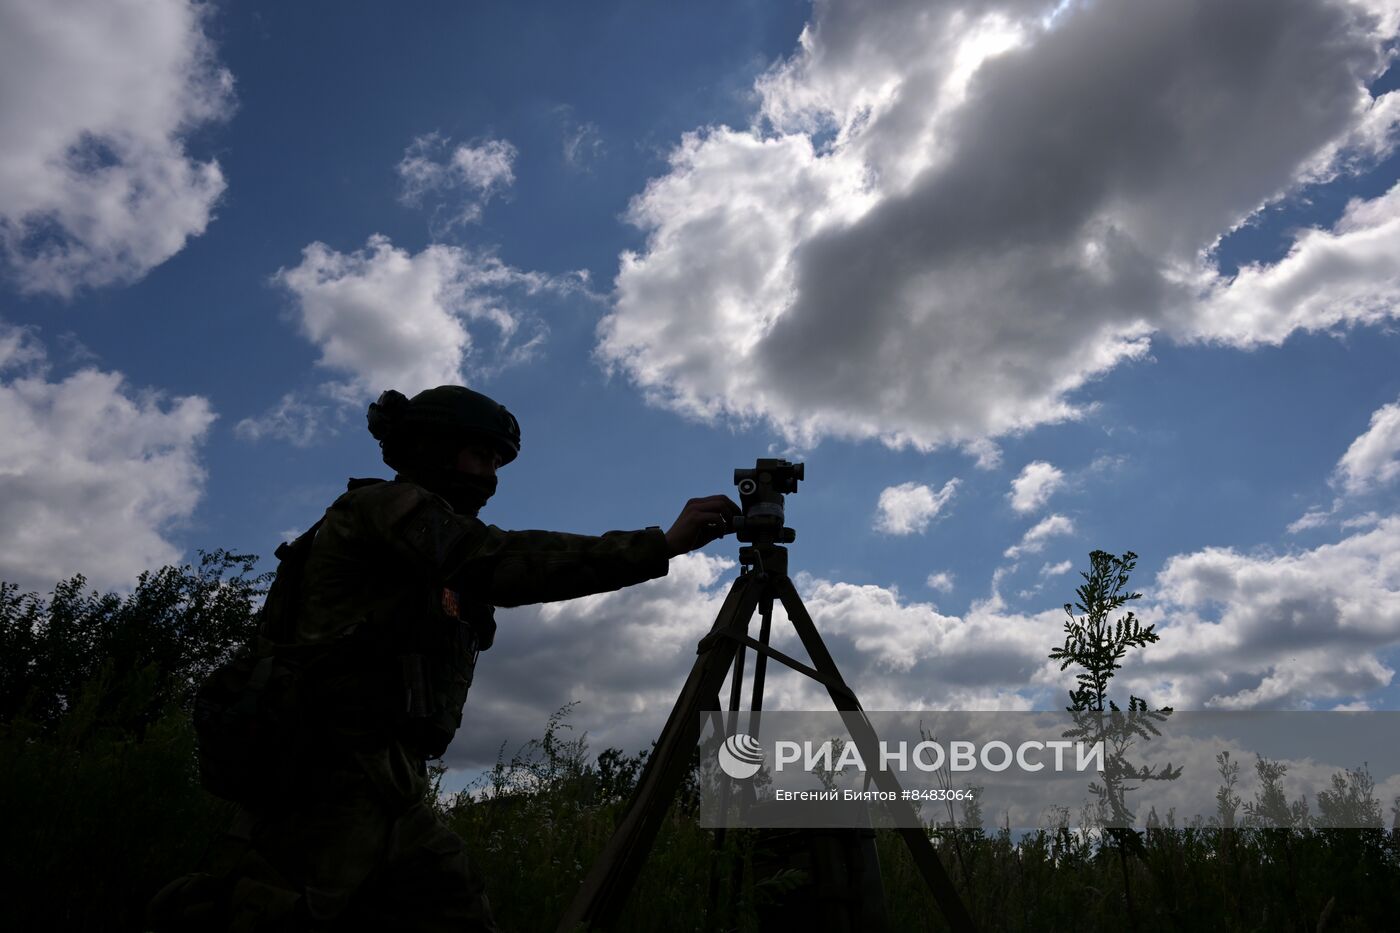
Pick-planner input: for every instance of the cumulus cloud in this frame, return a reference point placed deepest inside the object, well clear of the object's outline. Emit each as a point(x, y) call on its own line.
point(384, 318)
point(455, 181)
point(1033, 541)
point(93, 474)
point(942, 581)
point(985, 453)
point(1370, 462)
point(1264, 630)
point(96, 100)
point(909, 507)
point(924, 237)
point(1373, 459)
point(1330, 279)
point(1033, 488)
point(904, 654)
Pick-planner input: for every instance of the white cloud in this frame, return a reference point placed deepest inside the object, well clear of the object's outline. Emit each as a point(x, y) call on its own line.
point(1105, 463)
point(1033, 488)
point(941, 581)
point(1330, 279)
point(1364, 520)
point(1047, 570)
point(92, 474)
point(463, 181)
point(995, 602)
point(909, 507)
point(881, 627)
point(1287, 629)
point(295, 420)
point(1370, 462)
point(924, 240)
point(386, 318)
point(1313, 518)
point(1373, 459)
point(986, 454)
point(1033, 541)
point(96, 99)
point(487, 166)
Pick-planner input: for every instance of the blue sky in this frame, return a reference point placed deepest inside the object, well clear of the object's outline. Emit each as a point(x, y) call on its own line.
point(1016, 281)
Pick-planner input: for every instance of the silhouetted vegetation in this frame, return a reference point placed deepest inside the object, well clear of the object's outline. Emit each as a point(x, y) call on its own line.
point(98, 780)
point(102, 805)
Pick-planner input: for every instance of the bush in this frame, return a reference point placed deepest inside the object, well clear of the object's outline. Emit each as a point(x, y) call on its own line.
point(101, 800)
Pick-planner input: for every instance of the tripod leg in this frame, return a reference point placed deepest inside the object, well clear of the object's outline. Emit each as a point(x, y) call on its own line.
point(735, 683)
point(760, 668)
point(760, 664)
point(604, 891)
point(863, 734)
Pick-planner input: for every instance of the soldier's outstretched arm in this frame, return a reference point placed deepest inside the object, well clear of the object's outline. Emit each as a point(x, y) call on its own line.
point(513, 568)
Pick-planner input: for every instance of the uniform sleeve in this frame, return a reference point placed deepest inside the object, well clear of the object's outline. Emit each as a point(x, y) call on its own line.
point(515, 568)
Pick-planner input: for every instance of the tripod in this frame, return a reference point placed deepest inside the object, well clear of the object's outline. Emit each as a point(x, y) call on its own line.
point(762, 581)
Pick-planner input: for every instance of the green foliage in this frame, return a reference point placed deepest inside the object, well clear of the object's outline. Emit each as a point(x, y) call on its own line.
point(1093, 642)
point(99, 794)
point(616, 775)
point(1351, 801)
point(1227, 802)
point(1097, 644)
point(537, 821)
point(1271, 806)
point(149, 648)
point(1190, 878)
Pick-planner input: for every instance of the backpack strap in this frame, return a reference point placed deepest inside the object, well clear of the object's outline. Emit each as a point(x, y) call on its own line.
point(277, 619)
point(278, 610)
point(299, 547)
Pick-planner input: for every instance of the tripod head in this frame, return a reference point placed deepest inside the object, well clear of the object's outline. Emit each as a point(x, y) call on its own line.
point(761, 492)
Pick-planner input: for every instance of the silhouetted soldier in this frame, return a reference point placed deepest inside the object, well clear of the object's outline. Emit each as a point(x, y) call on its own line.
point(384, 606)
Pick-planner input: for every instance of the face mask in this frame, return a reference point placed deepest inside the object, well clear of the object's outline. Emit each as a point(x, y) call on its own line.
point(467, 494)
point(464, 492)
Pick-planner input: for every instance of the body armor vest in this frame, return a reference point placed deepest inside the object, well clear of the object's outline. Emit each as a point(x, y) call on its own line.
point(436, 665)
point(404, 677)
point(277, 703)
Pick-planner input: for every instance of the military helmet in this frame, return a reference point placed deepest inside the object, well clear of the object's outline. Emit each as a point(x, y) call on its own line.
point(445, 414)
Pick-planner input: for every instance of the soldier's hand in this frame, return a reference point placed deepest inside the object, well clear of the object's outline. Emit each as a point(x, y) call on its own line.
point(700, 522)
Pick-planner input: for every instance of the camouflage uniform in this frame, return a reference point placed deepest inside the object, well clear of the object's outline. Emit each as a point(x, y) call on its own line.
point(352, 845)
